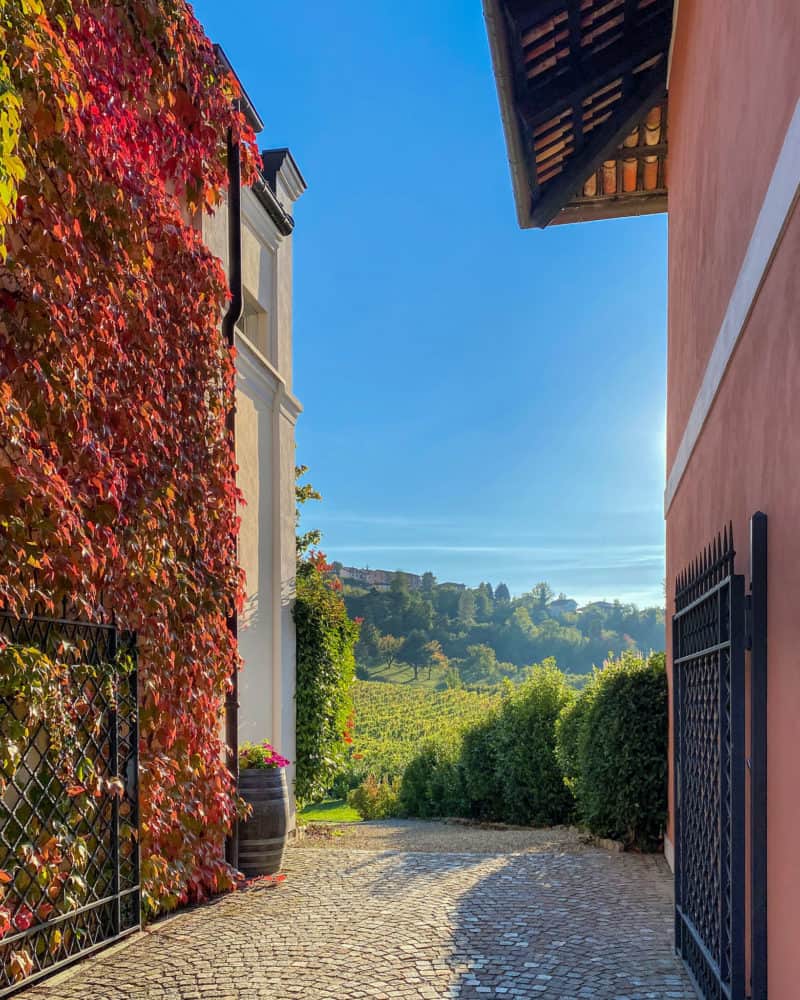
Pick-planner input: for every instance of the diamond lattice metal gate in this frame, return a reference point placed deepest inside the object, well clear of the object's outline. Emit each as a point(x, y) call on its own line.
point(709, 698)
point(69, 854)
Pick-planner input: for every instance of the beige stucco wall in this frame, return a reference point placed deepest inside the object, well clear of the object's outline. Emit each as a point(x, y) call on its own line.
point(266, 415)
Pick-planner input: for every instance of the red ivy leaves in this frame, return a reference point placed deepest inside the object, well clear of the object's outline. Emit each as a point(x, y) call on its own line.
point(116, 474)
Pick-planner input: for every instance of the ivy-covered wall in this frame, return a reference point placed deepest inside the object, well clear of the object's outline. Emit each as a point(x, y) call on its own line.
point(116, 472)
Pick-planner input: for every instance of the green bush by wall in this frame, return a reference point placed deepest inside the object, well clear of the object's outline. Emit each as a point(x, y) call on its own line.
point(529, 779)
point(479, 770)
point(612, 746)
point(545, 756)
point(326, 638)
point(432, 784)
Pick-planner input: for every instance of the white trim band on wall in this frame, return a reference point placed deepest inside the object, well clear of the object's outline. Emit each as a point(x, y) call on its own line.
point(780, 199)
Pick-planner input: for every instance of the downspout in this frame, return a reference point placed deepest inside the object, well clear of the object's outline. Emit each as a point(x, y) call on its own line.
point(231, 318)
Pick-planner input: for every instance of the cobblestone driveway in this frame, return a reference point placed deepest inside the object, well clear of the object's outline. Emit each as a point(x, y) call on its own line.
point(387, 925)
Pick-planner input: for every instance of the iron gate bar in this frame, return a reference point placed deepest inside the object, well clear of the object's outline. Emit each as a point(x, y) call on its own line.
point(35, 801)
point(758, 754)
point(708, 693)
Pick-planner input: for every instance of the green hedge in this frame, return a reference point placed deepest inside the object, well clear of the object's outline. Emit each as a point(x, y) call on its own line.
point(612, 746)
point(432, 784)
point(504, 768)
point(546, 756)
point(326, 638)
point(479, 770)
point(529, 779)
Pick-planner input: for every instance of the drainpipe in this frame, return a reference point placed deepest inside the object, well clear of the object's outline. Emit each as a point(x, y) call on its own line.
point(231, 318)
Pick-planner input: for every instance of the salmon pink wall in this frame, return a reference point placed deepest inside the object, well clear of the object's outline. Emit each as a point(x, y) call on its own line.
point(734, 85)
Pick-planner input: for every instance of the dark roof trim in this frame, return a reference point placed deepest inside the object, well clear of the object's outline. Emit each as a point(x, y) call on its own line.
point(247, 106)
point(273, 160)
point(512, 126)
point(283, 221)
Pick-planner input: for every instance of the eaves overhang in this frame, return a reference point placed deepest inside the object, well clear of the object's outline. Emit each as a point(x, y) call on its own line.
point(582, 86)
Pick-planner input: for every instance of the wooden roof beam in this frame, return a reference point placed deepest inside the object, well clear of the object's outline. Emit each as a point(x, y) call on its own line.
point(589, 75)
point(601, 145)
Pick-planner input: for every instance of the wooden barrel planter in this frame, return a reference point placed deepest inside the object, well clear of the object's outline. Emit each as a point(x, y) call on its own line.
point(262, 837)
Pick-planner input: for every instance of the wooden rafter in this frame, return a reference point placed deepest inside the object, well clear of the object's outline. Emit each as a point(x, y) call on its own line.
point(582, 86)
point(602, 145)
point(588, 75)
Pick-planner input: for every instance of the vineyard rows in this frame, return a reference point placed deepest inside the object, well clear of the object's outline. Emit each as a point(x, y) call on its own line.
point(392, 721)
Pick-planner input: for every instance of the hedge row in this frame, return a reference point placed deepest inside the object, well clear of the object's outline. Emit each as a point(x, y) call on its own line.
point(611, 744)
point(547, 756)
point(503, 769)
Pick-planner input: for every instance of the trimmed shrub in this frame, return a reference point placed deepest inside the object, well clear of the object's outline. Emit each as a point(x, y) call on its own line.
point(569, 726)
point(479, 770)
point(431, 784)
point(376, 799)
point(621, 773)
point(529, 778)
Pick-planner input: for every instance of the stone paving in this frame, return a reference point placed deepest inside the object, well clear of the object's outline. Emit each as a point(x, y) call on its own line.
point(395, 925)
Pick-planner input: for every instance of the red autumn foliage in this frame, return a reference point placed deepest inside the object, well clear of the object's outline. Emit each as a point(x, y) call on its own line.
point(117, 480)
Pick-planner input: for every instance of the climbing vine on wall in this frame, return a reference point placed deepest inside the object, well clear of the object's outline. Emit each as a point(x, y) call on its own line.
point(116, 474)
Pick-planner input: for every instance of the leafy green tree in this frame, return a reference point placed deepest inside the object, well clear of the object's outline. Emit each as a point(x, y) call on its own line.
point(436, 658)
point(428, 584)
point(415, 652)
point(466, 607)
point(389, 649)
point(368, 650)
point(502, 595)
point(445, 601)
point(399, 583)
point(483, 603)
point(480, 665)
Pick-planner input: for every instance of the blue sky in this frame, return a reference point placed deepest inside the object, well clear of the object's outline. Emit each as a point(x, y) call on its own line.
point(480, 401)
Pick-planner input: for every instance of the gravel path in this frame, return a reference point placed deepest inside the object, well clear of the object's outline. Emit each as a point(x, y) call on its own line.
point(448, 837)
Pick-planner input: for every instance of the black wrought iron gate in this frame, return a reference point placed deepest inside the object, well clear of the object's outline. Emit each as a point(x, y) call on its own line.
point(715, 622)
point(69, 855)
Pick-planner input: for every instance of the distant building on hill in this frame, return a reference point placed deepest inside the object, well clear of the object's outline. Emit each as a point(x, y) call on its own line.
point(562, 606)
point(380, 579)
point(599, 605)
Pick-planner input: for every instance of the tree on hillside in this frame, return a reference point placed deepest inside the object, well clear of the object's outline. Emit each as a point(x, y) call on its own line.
point(389, 649)
point(540, 597)
point(368, 650)
point(399, 584)
point(445, 600)
point(480, 665)
point(415, 652)
point(520, 630)
point(483, 603)
point(436, 658)
point(428, 583)
point(466, 607)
